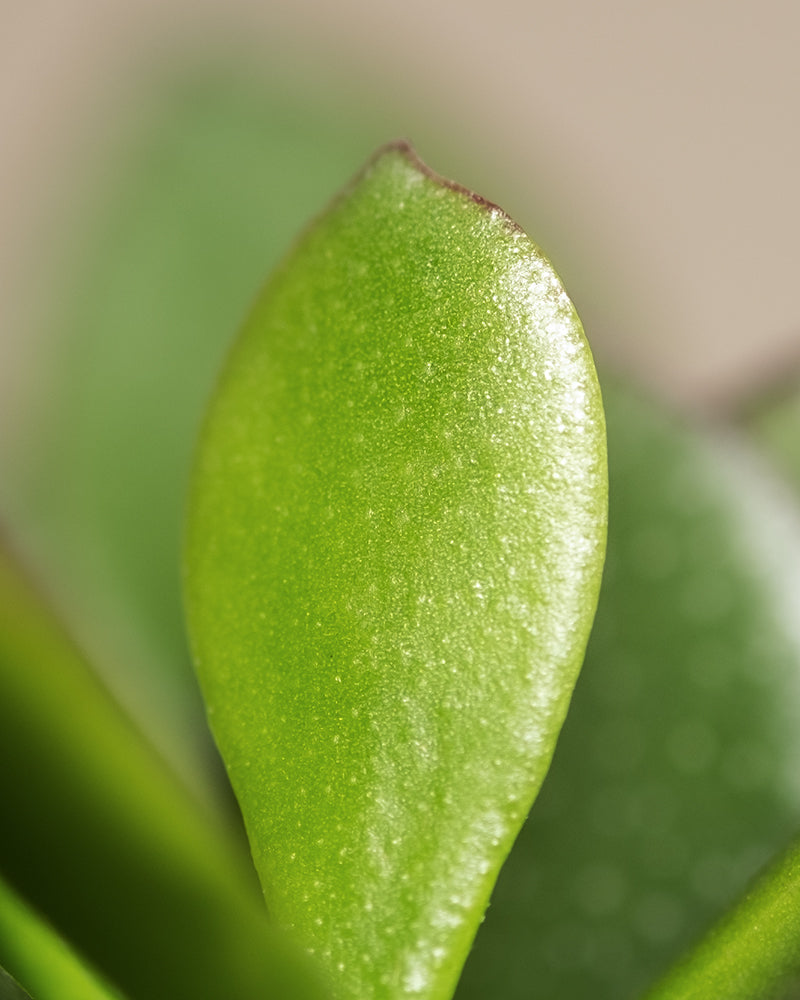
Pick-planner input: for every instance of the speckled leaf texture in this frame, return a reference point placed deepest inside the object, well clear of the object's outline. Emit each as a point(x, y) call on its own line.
point(394, 547)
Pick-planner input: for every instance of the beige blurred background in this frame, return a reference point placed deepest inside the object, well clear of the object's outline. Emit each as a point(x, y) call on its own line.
point(662, 140)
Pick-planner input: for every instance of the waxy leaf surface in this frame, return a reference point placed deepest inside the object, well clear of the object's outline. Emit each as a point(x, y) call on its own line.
point(395, 540)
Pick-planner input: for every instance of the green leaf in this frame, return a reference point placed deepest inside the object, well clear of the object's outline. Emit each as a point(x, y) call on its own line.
point(99, 834)
point(774, 421)
point(675, 777)
point(10, 988)
point(394, 546)
point(753, 953)
point(37, 956)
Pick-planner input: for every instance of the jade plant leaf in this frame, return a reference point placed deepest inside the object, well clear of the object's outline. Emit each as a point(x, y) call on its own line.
point(394, 547)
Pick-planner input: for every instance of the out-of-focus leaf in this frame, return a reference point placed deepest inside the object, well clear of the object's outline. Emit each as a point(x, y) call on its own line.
point(775, 425)
point(37, 956)
point(395, 539)
point(675, 777)
point(181, 236)
point(753, 953)
point(10, 988)
point(99, 835)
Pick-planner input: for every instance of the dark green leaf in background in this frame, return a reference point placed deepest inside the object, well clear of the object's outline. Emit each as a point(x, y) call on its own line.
point(37, 956)
point(675, 778)
point(753, 952)
point(10, 988)
point(100, 836)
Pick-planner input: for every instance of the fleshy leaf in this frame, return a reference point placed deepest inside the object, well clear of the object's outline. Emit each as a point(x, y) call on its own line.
point(395, 541)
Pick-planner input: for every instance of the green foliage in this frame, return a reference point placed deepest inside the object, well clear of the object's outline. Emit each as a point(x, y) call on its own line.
point(10, 988)
point(101, 837)
point(673, 777)
point(754, 951)
point(198, 209)
point(774, 422)
point(394, 548)
point(675, 774)
point(37, 956)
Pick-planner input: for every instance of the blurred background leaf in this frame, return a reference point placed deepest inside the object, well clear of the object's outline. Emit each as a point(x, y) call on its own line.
point(211, 191)
point(39, 957)
point(99, 835)
point(773, 420)
point(675, 777)
point(10, 988)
